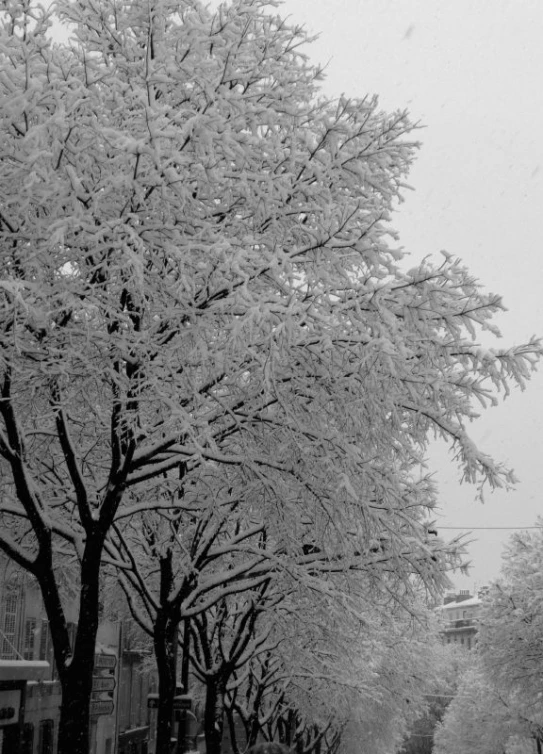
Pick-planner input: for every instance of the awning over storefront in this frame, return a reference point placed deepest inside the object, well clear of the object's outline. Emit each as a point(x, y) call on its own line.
point(24, 670)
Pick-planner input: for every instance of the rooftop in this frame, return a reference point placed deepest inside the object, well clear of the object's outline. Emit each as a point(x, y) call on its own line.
point(471, 602)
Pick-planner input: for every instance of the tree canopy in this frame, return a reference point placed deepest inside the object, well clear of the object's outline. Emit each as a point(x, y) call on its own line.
point(479, 720)
point(511, 626)
point(497, 706)
point(199, 278)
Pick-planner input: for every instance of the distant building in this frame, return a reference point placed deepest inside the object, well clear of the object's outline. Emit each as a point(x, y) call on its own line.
point(29, 690)
point(459, 616)
point(30, 694)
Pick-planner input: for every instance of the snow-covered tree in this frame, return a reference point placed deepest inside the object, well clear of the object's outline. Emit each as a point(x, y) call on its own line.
point(405, 674)
point(197, 267)
point(479, 720)
point(449, 663)
point(511, 627)
point(179, 566)
point(498, 704)
point(225, 639)
point(325, 672)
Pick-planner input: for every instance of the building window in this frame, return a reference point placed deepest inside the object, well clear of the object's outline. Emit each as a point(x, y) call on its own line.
point(9, 626)
point(29, 639)
point(45, 640)
point(45, 743)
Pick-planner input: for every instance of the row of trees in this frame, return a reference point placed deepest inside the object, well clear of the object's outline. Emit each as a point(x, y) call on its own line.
point(498, 703)
point(217, 380)
point(450, 662)
point(308, 672)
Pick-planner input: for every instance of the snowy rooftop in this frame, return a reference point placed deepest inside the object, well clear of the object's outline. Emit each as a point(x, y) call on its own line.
point(471, 602)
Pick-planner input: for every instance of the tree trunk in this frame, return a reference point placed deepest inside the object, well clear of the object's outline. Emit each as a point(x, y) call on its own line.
point(254, 725)
point(183, 729)
point(165, 644)
point(214, 715)
point(74, 725)
point(75, 664)
point(290, 728)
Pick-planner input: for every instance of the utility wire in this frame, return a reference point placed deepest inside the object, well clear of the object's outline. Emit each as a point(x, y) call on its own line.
point(489, 528)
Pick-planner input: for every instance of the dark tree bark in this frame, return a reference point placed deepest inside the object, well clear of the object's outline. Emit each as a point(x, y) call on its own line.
point(214, 714)
point(165, 639)
point(165, 644)
point(75, 664)
point(219, 646)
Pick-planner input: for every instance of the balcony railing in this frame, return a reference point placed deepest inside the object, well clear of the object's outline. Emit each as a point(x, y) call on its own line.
point(465, 623)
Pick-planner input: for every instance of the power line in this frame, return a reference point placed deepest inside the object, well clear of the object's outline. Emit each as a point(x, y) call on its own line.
point(489, 528)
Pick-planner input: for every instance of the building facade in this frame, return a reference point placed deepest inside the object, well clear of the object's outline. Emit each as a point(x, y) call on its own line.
point(30, 693)
point(459, 619)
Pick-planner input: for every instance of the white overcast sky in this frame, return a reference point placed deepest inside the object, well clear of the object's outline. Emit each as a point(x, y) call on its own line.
point(470, 71)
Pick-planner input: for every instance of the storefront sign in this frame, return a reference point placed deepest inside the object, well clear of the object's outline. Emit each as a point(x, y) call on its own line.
point(103, 683)
point(103, 661)
point(10, 706)
point(101, 707)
